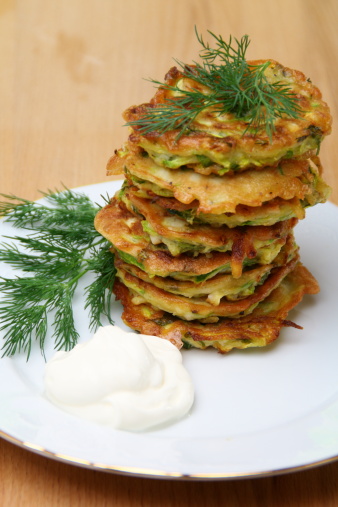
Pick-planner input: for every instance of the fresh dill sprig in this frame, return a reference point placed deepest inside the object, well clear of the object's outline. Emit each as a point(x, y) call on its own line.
point(63, 213)
point(230, 85)
point(61, 247)
point(99, 293)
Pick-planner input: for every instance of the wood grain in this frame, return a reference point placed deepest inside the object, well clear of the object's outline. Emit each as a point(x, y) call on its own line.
point(68, 70)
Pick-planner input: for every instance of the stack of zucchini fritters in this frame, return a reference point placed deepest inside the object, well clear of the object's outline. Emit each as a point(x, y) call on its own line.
point(202, 229)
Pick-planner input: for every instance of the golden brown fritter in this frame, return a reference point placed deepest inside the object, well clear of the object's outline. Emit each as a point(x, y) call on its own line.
point(200, 308)
point(219, 286)
point(270, 212)
point(222, 194)
point(218, 143)
point(180, 236)
point(124, 230)
point(258, 329)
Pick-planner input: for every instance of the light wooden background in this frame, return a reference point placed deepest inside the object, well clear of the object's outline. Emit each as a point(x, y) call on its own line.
point(68, 70)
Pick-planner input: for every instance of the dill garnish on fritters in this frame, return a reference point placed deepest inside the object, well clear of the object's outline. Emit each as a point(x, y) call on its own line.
point(228, 114)
point(226, 82)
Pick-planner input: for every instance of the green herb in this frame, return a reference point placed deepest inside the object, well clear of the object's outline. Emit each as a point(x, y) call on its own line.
point(233, 86)
point(61, 246)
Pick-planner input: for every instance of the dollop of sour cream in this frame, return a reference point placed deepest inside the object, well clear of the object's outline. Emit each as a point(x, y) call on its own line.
point(121, 379)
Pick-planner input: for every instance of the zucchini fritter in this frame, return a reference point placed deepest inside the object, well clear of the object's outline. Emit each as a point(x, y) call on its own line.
point(257, 329)
point(219, 143)
point(218, 286)
point(200, 308)
point(298, 179)
point(124, 230)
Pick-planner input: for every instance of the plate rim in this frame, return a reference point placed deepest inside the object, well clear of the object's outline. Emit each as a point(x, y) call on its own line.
point(159, 474)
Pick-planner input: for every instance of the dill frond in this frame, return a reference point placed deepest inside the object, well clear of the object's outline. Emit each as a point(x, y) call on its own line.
point(61, 248)
point(99, 293)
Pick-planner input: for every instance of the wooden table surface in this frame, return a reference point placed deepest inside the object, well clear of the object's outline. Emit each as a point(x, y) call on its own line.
point(68, 70)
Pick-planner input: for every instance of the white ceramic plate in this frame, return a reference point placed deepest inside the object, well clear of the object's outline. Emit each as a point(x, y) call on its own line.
point(256, 412)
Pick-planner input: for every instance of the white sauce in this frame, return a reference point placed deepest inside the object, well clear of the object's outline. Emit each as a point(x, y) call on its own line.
point(121, 379)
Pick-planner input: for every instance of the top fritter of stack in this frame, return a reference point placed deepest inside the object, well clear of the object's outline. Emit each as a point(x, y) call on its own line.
point(218, 143)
